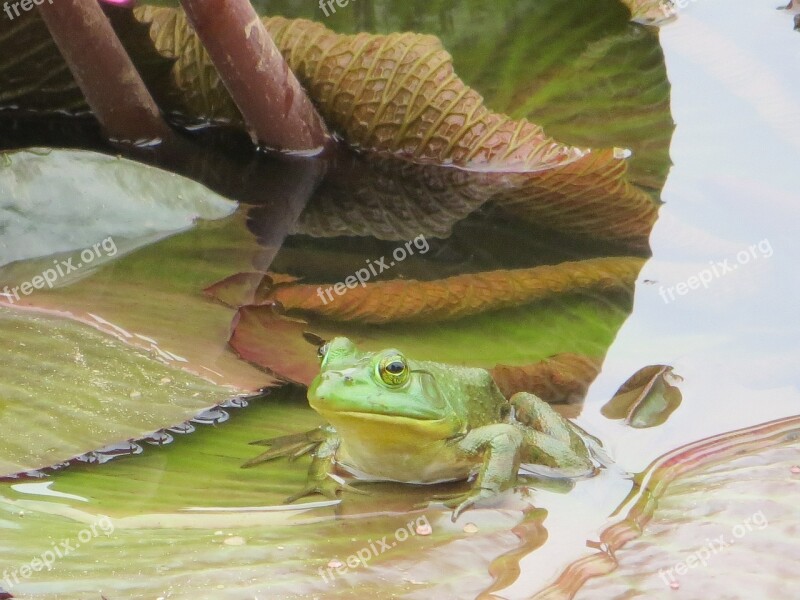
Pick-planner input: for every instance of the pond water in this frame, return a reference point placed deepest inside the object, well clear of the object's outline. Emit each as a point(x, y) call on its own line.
point(709, 105)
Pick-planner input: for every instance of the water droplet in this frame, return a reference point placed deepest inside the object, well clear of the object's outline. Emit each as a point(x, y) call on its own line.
point(424, 529)
point(470, 528)
point(235, 540)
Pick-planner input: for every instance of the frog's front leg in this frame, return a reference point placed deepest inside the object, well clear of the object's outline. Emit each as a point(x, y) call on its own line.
point(321, 476)
point(499, 445)
point(550, 439)
point(292, 446)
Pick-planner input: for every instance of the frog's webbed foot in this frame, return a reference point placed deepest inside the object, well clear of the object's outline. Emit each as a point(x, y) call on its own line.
point(293, 446)
point(463, 501)
point(321, 476)
point(499, 445)
point(329, 486)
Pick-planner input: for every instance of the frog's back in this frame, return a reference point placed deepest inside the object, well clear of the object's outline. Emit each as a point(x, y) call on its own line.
point(470, 392)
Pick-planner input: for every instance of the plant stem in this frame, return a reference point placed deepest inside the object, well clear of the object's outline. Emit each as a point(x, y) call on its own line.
point(113, 88)
point(274, 105)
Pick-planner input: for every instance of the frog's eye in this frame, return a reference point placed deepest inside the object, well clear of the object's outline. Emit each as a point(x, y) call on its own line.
point(393, 370)
point(321, 351)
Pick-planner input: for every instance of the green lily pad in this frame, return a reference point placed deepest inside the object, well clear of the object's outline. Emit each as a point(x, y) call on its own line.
point(574, 323)
point(66, 389)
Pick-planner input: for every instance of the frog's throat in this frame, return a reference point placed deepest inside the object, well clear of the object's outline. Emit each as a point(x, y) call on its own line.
point(367, 423)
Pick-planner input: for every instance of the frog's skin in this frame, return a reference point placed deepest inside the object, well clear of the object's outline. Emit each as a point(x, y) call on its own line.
point(398, 419)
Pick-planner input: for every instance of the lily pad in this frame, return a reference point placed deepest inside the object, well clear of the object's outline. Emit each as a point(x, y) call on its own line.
point(66, 389)
point(673, 538)
point(44, 213)
point(521, 336)
point(157, 305)
point(400, 300)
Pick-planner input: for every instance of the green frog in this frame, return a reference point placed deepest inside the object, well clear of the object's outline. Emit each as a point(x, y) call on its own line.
point(396, 419)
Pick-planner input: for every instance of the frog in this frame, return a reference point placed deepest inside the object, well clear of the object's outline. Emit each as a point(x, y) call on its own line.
point(392, 418)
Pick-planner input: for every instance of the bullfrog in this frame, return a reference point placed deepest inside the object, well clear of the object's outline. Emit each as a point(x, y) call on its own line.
point(392, 418)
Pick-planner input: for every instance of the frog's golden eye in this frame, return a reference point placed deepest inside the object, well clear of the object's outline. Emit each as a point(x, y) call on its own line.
point(393, 370)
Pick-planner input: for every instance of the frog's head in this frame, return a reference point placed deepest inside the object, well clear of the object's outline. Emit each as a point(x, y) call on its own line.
point(374, 390)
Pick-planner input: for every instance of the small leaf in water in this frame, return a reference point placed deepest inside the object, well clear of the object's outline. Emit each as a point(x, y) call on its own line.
point(647, 399)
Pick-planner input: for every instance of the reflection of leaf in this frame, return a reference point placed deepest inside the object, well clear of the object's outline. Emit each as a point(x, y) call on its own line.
point(563, 378)
point(394, 199)
point(455, 297)
point(89, 392)
point(646, 399)
point(590, 197)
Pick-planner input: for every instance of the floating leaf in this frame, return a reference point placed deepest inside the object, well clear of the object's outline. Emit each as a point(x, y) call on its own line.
point(563, 378)
point(414, 106)
point(66, 389)
point(454, 297)
point(647, 399)
point(748, 525)
point(149, 203)
point(157, 305)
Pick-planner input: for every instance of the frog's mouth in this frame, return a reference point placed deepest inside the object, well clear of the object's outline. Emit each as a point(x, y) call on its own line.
point(378, 413)
point(366, 425)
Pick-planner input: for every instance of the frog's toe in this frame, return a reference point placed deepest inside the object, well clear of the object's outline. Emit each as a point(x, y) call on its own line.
point(464, 501)
point(293, 446)
point(465, 505)
point(330, 487)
